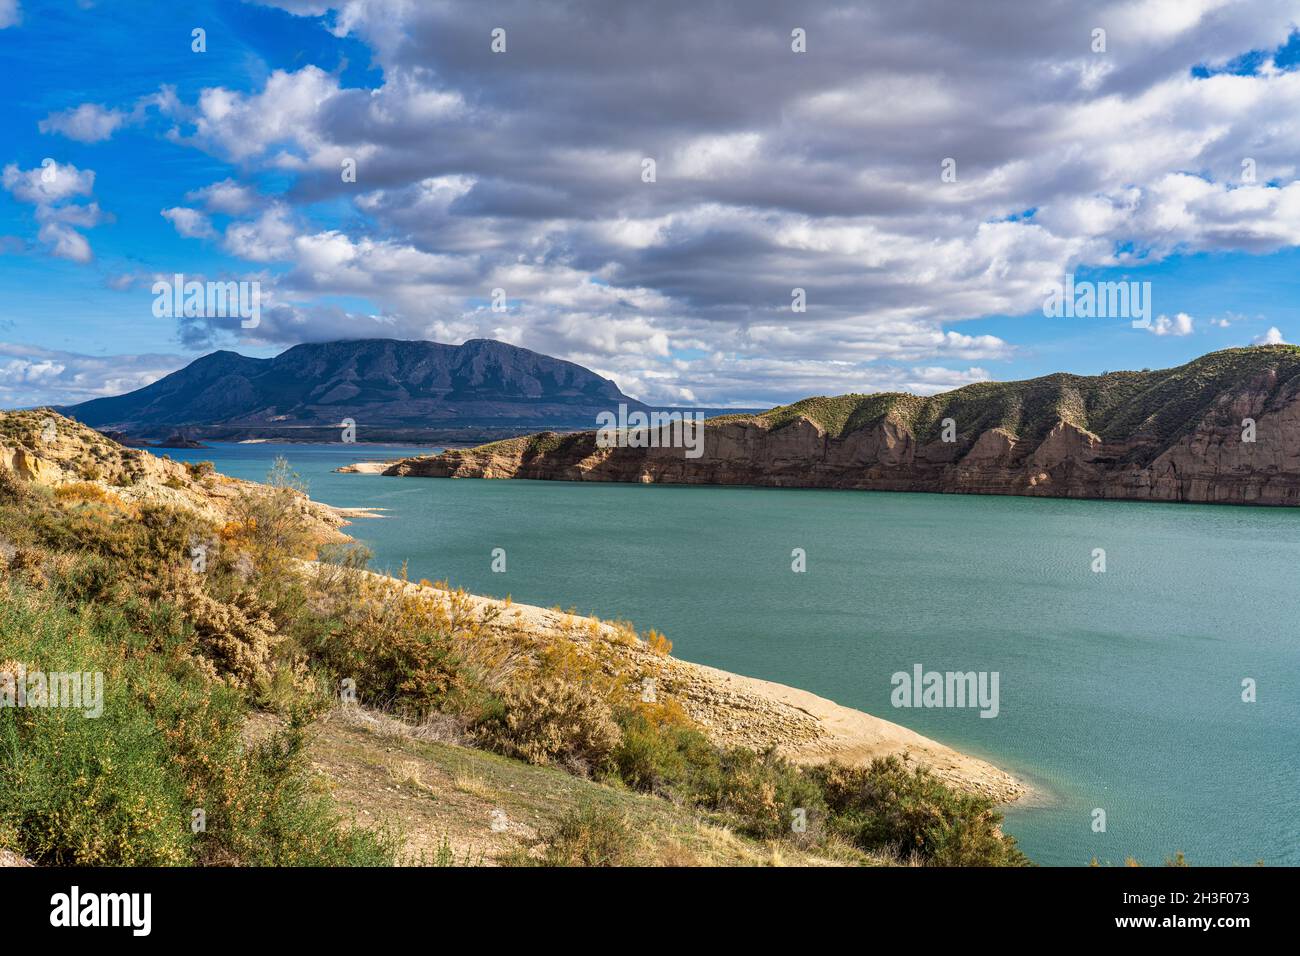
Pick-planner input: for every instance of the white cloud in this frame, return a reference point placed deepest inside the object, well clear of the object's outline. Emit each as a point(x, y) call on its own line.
point(30, 375)
point(10, 13)
point(1272, 337)
point(49, 183)
point(226, 196)
point(48, 187)
point(190, 223)
point(1181, 324)
point(281, 122)
point(65, 242)
point(264, 239)
point(93, 123)
point(87, 123)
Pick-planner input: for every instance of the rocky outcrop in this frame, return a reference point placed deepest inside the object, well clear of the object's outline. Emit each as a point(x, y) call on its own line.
point(42, 447)
point(28, 466)
point(1223, 429)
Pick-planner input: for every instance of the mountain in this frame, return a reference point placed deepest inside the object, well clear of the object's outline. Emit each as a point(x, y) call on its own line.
point(1178, 434)
point(391, 388)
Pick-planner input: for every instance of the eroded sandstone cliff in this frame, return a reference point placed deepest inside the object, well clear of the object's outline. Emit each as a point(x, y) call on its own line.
point(1182, 434)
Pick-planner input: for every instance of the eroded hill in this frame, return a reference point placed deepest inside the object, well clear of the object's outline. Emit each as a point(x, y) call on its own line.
point(1224, 428)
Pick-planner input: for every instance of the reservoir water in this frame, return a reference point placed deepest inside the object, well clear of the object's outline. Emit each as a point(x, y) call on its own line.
point(1119, 691)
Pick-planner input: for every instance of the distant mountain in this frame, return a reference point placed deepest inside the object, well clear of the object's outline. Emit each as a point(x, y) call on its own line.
point(392, 389)
point(1222, 428)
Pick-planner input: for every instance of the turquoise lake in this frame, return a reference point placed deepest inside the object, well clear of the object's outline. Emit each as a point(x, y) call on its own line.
point(1120, 690)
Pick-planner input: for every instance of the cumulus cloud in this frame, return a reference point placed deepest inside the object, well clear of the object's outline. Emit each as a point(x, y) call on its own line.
point(775, 171)
point(190, 223)
point(87, 123)
point(1180, 324)
point(10, 13)
point(48, 183)
point(1272, 337)
point(49, 187)
point(31, 375)
point(226, 196)
point(94, 123)
point(268, 237)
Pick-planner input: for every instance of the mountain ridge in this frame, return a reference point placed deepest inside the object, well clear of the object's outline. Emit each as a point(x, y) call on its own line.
point(1177, 434)
point(394, 384)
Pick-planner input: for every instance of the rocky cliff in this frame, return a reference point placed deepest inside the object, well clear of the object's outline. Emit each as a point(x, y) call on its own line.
point(1181, 434)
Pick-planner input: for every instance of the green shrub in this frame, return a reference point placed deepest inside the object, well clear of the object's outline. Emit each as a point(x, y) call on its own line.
point(762, 792)
point(591, 836)
point(667, 760)
point(757, 793)
point(120, 788)
point(894, 806)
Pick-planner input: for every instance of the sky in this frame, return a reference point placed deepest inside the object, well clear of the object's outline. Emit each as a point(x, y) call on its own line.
point(923, 171)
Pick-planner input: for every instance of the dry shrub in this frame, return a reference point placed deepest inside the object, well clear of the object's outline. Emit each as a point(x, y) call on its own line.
point(658, 643)
point(271, 522)
point(80, 491)
point(339, 574)
point(553, 721)
point(235, 638)
point(434, 728)
point(85, 491)
point(13, 490)
point(25, 565)
point(419, 651)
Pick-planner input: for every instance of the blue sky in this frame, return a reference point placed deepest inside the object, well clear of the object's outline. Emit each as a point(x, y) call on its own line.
point(522, 171)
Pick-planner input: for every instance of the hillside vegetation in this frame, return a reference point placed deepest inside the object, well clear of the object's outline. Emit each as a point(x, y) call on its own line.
point(239, 646)
point(1117, 406)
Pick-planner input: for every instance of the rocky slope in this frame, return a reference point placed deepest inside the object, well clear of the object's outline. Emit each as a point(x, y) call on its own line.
point(43, 447)
point(1170, 435)
point(389, 387)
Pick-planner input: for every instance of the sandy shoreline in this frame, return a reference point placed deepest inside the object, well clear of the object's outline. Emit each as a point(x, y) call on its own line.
point(363, 468)
point(735, 710)
point(350, 513)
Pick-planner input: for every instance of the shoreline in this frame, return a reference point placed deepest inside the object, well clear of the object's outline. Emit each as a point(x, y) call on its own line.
point(378, 468)
point(736, 710)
